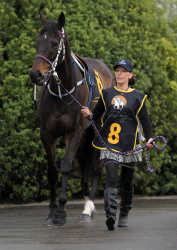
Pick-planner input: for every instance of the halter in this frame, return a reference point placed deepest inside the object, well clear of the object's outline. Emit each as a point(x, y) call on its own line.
point(52, 64)
point(58, 81)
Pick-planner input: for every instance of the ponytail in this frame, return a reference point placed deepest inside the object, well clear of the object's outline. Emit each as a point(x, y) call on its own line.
point(132, 81)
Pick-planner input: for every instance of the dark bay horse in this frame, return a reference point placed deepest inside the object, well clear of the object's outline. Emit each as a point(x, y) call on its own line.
point(60, 116)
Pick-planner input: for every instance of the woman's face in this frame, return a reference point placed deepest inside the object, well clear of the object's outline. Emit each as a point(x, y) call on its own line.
point(122, 75)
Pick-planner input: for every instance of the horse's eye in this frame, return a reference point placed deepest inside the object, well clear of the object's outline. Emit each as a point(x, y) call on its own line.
point(54, 45)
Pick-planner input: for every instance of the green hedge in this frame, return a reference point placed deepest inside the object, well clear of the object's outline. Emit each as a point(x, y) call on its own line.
point(107, 30)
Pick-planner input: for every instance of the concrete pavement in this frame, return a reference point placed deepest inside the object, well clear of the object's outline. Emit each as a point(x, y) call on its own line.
point(152, 226)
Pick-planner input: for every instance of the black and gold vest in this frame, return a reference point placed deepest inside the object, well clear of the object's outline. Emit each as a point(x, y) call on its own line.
point(120, 121)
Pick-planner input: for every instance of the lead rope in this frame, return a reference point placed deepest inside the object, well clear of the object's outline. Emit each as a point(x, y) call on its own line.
point(149, 169)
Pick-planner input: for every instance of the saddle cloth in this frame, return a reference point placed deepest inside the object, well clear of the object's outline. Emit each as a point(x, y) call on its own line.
point(93, 81)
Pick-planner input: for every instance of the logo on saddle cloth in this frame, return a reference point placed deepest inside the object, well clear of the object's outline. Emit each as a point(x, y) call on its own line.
point(100, 86)
point(94, 83)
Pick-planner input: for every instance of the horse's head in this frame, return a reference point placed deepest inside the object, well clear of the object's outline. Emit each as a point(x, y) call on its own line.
point(50, 48)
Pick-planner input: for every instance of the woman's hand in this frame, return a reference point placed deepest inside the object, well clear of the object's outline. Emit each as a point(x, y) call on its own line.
point(148, 144)
point(86, 111)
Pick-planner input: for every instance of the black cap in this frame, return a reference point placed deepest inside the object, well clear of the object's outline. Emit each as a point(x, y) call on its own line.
point(124, 63)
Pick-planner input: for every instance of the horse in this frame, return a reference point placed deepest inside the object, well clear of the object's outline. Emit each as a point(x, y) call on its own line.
point(118, 103)
point(60, 116)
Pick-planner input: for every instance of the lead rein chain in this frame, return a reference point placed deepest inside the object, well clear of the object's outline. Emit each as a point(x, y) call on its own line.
point(149, 169)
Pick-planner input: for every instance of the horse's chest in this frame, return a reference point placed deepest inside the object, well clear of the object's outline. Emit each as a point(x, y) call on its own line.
point(61, 124)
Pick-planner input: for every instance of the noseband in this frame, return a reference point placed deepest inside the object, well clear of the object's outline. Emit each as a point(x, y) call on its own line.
point(61, 47)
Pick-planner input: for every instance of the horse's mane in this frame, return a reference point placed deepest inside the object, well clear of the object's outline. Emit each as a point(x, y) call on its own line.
point(50, 27)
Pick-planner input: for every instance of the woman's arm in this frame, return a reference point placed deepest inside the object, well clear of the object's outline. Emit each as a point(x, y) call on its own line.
point(146, 124)
point(97, 111)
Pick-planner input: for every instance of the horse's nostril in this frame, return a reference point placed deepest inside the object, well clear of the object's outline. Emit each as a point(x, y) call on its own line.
point(36, 77)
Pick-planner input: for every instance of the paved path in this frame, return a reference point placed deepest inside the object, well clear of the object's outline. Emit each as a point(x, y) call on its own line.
point(152, 226)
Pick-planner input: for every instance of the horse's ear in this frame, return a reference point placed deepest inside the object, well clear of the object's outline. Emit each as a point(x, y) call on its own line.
point(61, 21)
point(43, 19)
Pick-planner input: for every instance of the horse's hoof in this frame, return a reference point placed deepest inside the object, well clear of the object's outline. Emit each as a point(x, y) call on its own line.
point(59, 221)
point(94, 213)
point(85, 218)
point(48, 222)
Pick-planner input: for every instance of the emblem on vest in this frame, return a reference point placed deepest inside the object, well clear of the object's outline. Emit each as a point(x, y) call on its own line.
point(118, 104)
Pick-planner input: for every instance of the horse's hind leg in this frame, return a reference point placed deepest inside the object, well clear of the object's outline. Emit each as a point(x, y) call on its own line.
point(89, 208)
point(92, 169)
point(50, 147)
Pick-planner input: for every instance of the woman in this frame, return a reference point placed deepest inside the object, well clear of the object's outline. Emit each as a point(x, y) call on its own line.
point(125, 113)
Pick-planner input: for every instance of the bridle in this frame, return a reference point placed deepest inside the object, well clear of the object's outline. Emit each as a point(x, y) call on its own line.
point(53, 72)
point(54, 64)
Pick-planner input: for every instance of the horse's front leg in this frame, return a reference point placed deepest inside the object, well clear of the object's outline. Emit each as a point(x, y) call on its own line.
point(72, 144)
point(50, 147)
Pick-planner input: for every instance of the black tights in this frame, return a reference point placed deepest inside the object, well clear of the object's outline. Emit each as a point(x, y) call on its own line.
point(112, 176)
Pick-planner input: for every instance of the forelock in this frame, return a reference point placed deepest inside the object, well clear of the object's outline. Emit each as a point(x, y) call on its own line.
point(51, 28)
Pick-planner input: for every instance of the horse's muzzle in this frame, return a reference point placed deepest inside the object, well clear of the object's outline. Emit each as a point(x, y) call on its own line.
point(36, 77)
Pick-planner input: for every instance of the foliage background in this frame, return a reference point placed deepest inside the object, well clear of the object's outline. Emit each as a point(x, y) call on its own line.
point(145, 32)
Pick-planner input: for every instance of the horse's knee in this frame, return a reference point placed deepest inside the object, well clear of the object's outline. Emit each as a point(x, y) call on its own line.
point(66, 167)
